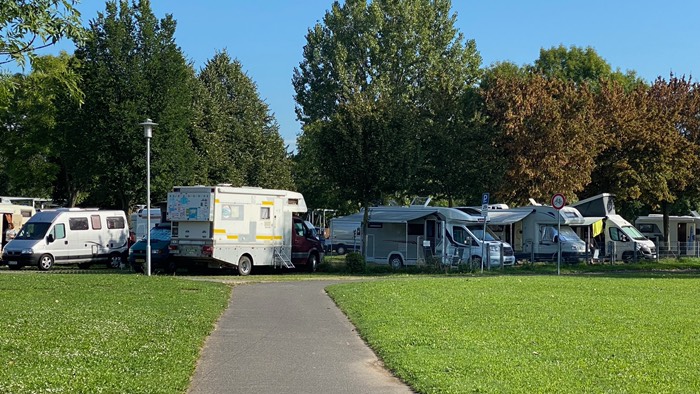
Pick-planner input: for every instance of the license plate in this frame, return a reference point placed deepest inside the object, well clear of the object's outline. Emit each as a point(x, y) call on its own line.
point(11, 263)
point(140, 260)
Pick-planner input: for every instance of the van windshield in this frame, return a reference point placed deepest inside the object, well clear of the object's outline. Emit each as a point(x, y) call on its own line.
point(478, 231)
point(633, 233)
point(34, 231)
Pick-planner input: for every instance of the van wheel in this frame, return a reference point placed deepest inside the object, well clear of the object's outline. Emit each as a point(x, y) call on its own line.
point(395, 261)
point(627, 257)
point(115, 260)
point(45, 262)
point(245, 266)
point(312, 263)
point(476, 261)
point(341, 249)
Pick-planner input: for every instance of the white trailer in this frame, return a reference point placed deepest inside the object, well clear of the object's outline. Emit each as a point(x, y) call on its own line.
point(615, 237)
point(240, 227)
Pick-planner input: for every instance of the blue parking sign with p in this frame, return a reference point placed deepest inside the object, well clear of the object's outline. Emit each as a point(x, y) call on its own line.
point(485, 199)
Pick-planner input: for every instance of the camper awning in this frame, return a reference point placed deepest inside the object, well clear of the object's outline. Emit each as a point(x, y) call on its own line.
point(502, 218)
point(587, 221)
point(398, 217)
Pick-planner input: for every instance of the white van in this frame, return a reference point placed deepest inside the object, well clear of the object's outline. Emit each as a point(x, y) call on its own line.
point(70, 236)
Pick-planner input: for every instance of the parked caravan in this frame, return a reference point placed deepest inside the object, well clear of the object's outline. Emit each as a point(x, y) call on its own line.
point(70, 236)
point(139, 221)
point(240, 227)
point(683, 231)
point(408, 235)
point(345, 234)
point(533, 233)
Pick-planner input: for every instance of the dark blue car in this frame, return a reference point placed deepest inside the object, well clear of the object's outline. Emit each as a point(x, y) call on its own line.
point(160, 254)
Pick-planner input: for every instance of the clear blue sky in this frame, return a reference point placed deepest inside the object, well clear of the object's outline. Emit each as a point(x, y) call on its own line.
point(653, 38)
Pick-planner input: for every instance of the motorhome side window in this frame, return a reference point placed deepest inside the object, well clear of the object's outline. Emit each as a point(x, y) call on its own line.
point(415, 229)
point(78, 224)
point(615, 234)
point(96, 224)
point(265, 213)
point(232, 212)
point(115, 222)
point(548, 233)
point(59, 231)
point(460, 234)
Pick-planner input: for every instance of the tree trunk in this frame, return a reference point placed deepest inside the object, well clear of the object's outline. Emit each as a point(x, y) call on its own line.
point(666, 225)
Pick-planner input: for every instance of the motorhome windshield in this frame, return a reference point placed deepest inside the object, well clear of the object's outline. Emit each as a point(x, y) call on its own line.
point(34, 231)
point(478, 231)
point(549, 233)
point(633, 233)
point(310, 227)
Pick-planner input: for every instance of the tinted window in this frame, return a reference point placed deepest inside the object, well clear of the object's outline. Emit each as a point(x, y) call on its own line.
point(78, 224)
point(96, 224)
point(115, 222)
point(415, 229)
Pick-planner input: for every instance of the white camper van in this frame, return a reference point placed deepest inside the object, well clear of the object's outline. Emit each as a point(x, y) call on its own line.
point(241, 227)
point(534, 234)
point(615, 237)
point(139, 221)
point(70, 236)
point(408, 235)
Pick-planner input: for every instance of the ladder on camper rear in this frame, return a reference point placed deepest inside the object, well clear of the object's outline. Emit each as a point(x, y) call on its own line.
point(282, 259)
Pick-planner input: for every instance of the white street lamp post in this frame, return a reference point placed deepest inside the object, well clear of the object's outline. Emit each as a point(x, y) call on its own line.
point(148, 133)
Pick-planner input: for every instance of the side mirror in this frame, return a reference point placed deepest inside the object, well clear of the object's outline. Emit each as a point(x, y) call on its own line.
point(50, 238)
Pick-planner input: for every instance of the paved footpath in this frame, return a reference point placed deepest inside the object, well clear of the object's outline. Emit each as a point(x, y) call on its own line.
point(288, 338)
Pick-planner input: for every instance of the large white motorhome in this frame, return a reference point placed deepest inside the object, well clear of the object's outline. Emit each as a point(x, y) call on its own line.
point(532, 231)
point(615, 237)
point(240, 227)
point(70, 236)
point(682, 232)
point(410, 235)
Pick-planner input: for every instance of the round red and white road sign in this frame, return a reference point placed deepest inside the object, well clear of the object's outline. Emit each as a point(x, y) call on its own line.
point(558, 201)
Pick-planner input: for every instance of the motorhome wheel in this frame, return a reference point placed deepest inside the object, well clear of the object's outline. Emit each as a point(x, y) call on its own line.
point(476, 262)
point(395, 261)
point(45, 262)
point(627, 257)
point(115, 260)
point(312, 263)
point(341, 249)
point(245, 265)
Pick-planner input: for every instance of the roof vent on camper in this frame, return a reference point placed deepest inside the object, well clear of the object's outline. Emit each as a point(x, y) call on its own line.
point(421, 201)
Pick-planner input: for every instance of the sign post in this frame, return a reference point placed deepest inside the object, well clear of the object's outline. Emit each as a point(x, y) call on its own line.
point(485, 215)
point(558, 202)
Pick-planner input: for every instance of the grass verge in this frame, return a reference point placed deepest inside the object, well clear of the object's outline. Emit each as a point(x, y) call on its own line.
point(103, 333)
point(517, 334)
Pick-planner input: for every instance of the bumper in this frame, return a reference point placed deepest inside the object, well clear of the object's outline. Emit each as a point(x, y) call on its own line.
point(20, 260)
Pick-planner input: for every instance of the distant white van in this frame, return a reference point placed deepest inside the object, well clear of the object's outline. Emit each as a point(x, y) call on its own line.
point(70, 236)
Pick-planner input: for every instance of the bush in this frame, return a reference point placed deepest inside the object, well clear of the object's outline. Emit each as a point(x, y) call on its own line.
point(355, 263)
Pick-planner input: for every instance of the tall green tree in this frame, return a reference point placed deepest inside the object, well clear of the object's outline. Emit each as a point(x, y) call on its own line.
point(581, 65)
point(132, 69)
point(28, 25)
point(237, 135)
point(35, 145)
point(378, 72)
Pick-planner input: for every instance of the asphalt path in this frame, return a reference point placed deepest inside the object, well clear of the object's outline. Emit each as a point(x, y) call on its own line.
point(288, 337)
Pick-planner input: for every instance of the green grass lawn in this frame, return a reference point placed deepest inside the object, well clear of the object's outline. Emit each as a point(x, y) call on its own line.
point(102, 333)
point(532, 334)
